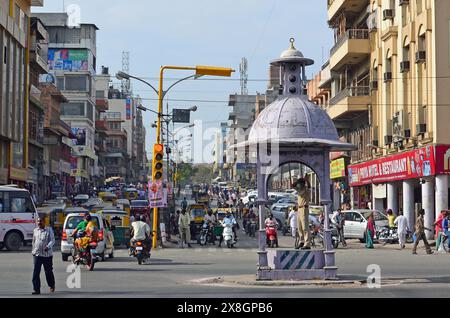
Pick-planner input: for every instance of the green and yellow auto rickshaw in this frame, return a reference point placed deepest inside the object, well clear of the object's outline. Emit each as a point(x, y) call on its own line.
point(54, 217)
point(120, 224)
point(124, 204)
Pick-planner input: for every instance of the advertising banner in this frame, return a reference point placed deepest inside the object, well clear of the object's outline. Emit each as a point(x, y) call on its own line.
point(157, 195)
point(68, 60)
point(337, 168)
point(408, 165)
point(80, 134)
point(128, 108)
point(442, 159)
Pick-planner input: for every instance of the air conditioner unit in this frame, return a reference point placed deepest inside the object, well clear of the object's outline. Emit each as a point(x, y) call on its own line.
point(388, 76)
point(421, 128)
point(388, 14)
point(375, 143)
point(403, 2)
point(421, 56)
point(387, 140)
point(405, 66)
point(407, 133)
point(374, 85)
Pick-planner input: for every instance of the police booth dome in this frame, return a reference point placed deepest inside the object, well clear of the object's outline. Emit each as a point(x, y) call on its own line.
point(294, 130)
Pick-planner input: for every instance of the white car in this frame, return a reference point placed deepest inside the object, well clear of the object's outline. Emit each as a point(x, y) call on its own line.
point(105, 244)
point(356, 222)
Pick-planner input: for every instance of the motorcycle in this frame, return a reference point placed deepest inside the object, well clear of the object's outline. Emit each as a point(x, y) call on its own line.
point(140, 251)
point(252, 228)
point(228, 235)
point(205, 233)
point(387, 235)
point(271, 235)
point(87, 256)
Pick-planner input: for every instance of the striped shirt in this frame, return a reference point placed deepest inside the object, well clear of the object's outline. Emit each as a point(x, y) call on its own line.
point(43, 238)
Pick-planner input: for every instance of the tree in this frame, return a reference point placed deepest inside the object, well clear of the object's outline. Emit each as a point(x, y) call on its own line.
point(203, 173)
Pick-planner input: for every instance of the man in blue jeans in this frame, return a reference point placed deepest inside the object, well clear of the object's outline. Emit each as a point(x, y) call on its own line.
point(43, 241)
point(445, 228)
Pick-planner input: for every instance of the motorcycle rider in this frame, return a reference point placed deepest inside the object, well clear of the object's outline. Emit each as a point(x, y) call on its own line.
point(210, 218)
point(140, 232)
point(229, 219)
point(338, 220)
point(86, 232)
point(270, 222)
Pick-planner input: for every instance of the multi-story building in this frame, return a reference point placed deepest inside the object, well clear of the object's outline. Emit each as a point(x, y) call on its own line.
point(139, 164)
point(115, 157)
point(14, 90)
point(58, 143)
point(125, 104)
point(72, 59)
point(219, 152)
point(390, 69)
point(102, 83)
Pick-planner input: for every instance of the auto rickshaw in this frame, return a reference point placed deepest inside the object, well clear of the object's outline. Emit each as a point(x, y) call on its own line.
point(197, 213)
point(203, 198)
point(124, 204)
point(108, 197)
point(120, 223)
point(131, 194)
point(54, 217)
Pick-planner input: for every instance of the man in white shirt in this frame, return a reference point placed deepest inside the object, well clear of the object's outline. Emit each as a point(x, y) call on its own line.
point(140, 231)
point(292, 220)
point(402, 228)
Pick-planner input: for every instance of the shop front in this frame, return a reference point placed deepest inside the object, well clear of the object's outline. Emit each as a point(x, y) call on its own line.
point(408, 181)
point(340, 184)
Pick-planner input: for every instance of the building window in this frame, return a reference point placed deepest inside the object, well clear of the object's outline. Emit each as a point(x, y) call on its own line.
point(419, 6)
point(72, 109)
point(76, 83)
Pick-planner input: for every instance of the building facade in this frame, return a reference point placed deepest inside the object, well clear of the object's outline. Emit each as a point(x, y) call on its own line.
point(14, 90)
point(390, 72)
point(72, 59)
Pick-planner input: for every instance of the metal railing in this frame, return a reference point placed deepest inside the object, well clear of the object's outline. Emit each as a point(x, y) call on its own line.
point(352, 91)
point(350, 34)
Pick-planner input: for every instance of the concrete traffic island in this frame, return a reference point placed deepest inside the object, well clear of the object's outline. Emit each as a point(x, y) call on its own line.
point(252, 280)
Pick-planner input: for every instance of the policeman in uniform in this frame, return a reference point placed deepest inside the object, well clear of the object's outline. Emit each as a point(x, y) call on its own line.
point(303, 189)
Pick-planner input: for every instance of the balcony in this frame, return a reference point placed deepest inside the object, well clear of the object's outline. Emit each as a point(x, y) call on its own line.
point(348, 6)
point(101, 104)
point(349, 103)
point(352, 48)
point(100, 125)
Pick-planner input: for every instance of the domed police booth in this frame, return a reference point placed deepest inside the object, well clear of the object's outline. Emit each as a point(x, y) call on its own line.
point(294, 130)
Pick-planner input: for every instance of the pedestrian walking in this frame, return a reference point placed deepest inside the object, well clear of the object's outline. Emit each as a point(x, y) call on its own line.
point(420, 233)
point(402, 228)
point(292, 221)
point(184, 204)
point(446, 230)
point(42, 250)
point(438, 228)
point(391, 218)
point(370, 231)
point(184, 226)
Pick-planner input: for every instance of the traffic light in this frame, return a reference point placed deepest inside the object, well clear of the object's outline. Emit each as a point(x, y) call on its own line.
point(157, 163)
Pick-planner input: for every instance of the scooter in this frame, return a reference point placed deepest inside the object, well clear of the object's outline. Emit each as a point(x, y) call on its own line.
point(228, 235)
point(271, 235)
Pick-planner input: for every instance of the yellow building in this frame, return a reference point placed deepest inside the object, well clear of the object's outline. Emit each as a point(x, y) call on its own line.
point(389, 77)
point(14, 29)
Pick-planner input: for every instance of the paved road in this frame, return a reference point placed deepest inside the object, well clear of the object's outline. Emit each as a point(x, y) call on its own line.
point(170, 272)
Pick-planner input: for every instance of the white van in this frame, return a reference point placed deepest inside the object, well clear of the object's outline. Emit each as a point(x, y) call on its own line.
point(17, 217)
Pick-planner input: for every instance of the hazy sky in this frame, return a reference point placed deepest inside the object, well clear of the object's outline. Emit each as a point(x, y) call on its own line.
point(201, 32)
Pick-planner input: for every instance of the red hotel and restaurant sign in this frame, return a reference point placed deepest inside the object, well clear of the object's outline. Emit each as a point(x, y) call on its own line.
point(422, 162)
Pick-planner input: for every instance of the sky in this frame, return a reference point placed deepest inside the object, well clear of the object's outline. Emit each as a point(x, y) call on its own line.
point(201, 32)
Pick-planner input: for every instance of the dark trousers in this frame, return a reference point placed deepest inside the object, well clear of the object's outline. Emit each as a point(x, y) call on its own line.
point(419, 237)
point(340, 231)
point(48, 268)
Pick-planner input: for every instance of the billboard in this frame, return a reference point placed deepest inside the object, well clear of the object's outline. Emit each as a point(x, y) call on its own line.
point(337, 168)
point(80, 134)
point(68, 60)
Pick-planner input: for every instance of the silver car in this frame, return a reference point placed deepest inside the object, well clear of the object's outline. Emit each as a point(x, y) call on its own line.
point(356, 222)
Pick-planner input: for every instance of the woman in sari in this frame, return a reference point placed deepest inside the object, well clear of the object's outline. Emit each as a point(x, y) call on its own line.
point(370, 231)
